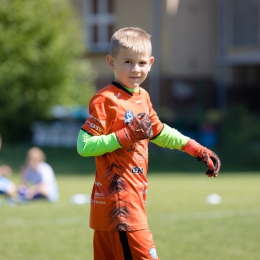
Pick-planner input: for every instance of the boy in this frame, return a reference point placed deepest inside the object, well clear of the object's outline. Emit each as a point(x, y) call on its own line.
point(122, 121)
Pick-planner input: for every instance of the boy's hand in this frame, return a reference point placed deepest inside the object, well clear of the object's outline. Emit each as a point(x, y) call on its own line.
point(139, 128)
point(211, 160)
point(203, 154)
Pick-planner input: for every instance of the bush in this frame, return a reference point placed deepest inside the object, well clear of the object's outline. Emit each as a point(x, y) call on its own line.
point(40, 63)
point(240, 128)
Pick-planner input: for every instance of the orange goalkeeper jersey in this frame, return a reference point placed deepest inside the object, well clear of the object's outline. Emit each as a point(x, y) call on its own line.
point(119, 192)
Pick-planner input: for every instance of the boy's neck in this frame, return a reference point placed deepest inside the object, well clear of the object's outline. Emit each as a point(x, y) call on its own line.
point(132, 90)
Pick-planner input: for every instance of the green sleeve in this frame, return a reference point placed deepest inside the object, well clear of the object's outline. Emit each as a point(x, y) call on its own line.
point(88, 145)
point(170, 138)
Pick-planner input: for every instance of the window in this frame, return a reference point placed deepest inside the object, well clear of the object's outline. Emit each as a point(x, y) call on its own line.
point(245, 22)
point(99, 24)
point(246, 75)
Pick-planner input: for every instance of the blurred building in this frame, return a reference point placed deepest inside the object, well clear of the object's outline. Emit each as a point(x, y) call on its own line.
point(207, 52)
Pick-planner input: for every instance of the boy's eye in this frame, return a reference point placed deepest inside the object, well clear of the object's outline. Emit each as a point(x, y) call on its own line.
point(127, 61)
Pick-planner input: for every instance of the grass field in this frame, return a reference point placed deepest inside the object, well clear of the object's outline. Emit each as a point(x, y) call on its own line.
point(185, 227)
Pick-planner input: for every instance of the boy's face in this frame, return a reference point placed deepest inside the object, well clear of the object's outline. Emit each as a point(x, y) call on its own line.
point(33, 161)
point(130, 68)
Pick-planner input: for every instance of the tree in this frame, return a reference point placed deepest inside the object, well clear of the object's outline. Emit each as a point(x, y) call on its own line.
point(41, 62)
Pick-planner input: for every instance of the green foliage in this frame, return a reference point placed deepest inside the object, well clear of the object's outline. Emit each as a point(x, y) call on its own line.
point(40, 64)
point(240, 128)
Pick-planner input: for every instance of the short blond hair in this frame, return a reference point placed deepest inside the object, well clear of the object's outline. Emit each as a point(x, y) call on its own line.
point(37, 154)
point(133, 38)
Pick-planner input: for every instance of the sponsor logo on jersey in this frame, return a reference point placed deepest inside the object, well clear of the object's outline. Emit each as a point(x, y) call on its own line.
point(152, 253)
point(97, 120)
point(98, 194)
point(141, 153)
point(97, 183)
point(117, 96)
point(138, 102)
point(136, 169)
point(98, 201)
point(85, 138)
point(94, 126)
point(143, 191)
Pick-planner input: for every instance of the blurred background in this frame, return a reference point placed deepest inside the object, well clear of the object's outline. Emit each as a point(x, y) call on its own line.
point(205, 81)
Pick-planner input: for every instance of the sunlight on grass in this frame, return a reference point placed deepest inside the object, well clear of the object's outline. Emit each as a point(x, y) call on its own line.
point(184, 226)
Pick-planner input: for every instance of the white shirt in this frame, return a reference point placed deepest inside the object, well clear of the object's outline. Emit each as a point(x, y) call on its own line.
point(45, 174)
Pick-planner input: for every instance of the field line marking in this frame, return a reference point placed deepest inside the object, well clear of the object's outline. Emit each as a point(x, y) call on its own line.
point(243, 212)
point(216, 214)
point(19, 222)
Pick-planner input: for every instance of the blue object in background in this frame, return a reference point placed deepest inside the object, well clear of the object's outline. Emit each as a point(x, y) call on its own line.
point(208, 136)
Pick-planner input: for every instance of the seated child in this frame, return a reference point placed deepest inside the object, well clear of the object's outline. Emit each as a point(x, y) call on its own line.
point(38, 178)
point(7, 187)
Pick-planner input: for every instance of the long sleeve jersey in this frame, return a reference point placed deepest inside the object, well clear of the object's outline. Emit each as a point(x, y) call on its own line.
point(120, 188)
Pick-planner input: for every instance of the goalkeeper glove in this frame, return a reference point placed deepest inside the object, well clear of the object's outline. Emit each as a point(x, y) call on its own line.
point(139, 128)
point(203, 154)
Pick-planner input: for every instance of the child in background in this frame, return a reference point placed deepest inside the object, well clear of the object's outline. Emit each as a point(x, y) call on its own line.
point(7, 187)
point(121, 123)
point(38, 178)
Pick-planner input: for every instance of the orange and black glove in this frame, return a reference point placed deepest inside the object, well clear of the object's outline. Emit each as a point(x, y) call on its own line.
point(203, 154)
point(139, 128)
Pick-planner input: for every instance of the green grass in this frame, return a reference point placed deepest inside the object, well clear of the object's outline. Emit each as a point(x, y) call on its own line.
point(67, 160)
point(184, 226)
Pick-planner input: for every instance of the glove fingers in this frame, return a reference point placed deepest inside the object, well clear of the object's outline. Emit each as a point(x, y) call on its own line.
point(140, 127)
point(140, 115)
point(210, 173)
point(216, 162)
point(211, 160)
point(214, 172)
point(210, 163)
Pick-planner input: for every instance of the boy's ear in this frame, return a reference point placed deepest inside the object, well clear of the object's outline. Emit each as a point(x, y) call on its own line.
point(110, 62)
point(151, 62)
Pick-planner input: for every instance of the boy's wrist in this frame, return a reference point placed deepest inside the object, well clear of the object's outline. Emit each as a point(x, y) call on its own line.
point(124, 139)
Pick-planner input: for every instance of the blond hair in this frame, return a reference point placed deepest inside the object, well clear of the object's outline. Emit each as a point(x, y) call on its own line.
point(36, 153)
point(133, 38)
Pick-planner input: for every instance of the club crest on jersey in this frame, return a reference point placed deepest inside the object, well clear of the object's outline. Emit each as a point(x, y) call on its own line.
point(129, 115)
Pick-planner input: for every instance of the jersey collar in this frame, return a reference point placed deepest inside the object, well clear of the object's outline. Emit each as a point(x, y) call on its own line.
point(118, 85)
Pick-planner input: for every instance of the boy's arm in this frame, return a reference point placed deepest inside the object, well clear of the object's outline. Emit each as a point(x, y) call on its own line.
point(172, 139)
point(138, 128)
point(89, 145)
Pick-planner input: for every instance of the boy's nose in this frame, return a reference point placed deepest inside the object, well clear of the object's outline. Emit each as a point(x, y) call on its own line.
point(136, 68)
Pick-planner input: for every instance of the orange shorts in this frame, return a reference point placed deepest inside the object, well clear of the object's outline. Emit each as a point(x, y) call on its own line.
point(124, 245)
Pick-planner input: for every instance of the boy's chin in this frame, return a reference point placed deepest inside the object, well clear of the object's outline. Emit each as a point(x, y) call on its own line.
point(133, 85)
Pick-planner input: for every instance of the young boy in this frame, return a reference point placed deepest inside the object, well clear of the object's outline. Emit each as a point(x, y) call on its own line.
point(121, 123)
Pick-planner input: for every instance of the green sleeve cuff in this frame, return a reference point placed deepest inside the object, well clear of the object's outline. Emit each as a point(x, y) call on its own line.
point(88, 145)
point(170, 138)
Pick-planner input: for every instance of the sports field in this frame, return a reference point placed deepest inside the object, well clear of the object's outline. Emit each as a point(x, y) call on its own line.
point(185, 227)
